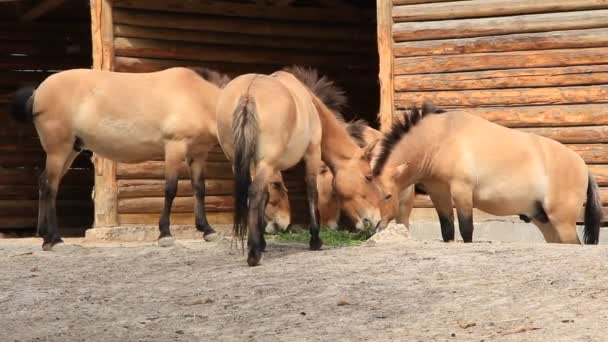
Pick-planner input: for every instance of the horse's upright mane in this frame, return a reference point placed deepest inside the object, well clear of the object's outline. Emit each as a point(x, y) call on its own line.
point(356, 130)
point(324, 88)
point(399, 129)
point(212, 76)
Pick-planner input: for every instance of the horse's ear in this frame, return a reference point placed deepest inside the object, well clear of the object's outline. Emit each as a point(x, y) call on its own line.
point(368, 153)
point(429, 108)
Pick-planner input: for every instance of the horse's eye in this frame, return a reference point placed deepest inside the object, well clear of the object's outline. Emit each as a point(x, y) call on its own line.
point(368, 178)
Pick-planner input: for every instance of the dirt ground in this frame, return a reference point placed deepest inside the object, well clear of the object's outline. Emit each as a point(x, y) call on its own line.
point(203, 291)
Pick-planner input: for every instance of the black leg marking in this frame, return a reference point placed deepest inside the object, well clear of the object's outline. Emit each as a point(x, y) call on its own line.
point(170, 193)
point(465, 224)
point(447, 227)
point(541, 215)
point(262, 219)
point(201, 216)
point(313, 197)
point(525, 218)
point(47, 215)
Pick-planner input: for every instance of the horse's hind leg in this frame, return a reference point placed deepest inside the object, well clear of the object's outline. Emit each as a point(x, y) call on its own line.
point(57, 164)
point(197, 166)
point(174, 156)
point(442, 201)
point(313, 165)
point(258, 192)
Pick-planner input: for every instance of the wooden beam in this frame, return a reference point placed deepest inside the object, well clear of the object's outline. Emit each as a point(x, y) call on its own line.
point(105, 195)
point(386, 59)
point(490, 8)
point(461, 28)
point(41, 9)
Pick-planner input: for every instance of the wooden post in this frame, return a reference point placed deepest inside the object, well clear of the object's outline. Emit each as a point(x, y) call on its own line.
point(105, 194)
point(385, 54)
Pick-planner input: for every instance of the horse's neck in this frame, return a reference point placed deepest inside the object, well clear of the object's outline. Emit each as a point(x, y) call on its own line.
point(336, 145)
point(417, 148)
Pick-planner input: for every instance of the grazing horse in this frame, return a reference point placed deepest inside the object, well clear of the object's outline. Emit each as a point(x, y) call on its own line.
point(128, 118)
point(463, 158)
point(268, 123)
point(398, 207)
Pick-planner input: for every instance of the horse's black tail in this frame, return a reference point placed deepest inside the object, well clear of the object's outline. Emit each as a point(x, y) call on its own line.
point(245, 135)
point(22, 105)
point(593, 213)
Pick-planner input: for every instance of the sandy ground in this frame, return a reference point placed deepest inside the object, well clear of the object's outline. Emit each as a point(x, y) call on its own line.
point(406, 291)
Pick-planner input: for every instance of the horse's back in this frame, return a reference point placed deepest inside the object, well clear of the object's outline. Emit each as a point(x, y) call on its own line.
point(137, 112)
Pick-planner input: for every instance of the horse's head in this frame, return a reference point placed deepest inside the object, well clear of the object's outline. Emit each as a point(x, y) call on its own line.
point(277, 212)
point(359, 192)
point(329, 205)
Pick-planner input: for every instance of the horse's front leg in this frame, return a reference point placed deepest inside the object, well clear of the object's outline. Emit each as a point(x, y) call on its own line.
point(174, 156)
point(313, 166)
point(442, 201)
point(197, 166)
point(463, 199)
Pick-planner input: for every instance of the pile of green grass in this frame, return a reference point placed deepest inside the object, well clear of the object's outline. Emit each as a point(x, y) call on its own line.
point(330, 237)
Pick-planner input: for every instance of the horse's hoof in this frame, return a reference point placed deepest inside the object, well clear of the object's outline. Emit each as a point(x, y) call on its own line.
point(212, 237)
point(315, 245)
point(48, 246)
point(166, 241)
point(254, 258)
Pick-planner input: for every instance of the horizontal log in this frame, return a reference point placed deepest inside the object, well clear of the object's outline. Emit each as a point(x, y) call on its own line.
point(44, 63)
point(600, 172)
point(176, 218)
point(150, 48)
point(420, 215)
point(557, 115)
point(44, 49)
point(489, 8)
point(505, 43)
point(240, 39)
point(224, 8)
point(30, 192)
point(18, 177)
point(133, 188)
point(505, 60)
point(592, 153)
point(12, 207)
point(14, 160)
point(412, 2)
point(513, 96)
point(30, 221)
point(46, 31)
point(155, 170)
point(353, 32)
point(572, 135)
point(180, 204)
point(19, 78)
point(444, 29)
point(510, 78)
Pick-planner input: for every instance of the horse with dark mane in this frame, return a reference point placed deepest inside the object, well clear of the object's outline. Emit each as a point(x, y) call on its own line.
point(463, 159)
point(398, 207)
point(129, 118)
point(268, 123)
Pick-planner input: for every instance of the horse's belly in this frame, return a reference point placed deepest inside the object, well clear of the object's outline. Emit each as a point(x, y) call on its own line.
point(123, 145)
point(502, 203)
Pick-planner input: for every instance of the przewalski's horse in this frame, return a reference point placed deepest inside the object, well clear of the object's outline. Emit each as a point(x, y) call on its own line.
point(478, 164)
point(270, 123)
point(398, 207)
point(128, 118)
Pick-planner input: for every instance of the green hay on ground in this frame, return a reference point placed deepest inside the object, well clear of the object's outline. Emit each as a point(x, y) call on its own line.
point(330, 237)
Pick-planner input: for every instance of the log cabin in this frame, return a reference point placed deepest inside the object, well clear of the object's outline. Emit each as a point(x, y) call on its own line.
point(538, 66)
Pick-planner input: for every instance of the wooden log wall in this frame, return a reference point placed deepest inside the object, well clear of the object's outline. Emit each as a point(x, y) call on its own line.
point(538, 66)
point(236, 37)
point(30, 52)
